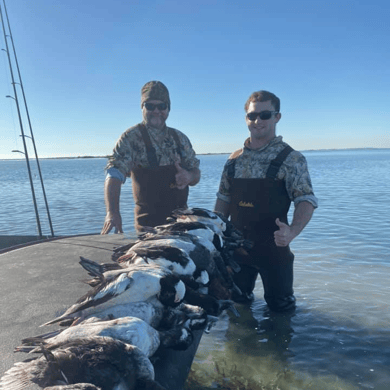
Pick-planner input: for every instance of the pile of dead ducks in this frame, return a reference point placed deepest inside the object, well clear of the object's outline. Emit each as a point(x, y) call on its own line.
point(174, 279)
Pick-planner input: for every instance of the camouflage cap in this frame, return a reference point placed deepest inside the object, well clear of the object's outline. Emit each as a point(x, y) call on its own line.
point(155, 90)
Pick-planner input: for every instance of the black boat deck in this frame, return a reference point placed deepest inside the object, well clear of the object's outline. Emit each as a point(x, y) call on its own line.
point(40, 281)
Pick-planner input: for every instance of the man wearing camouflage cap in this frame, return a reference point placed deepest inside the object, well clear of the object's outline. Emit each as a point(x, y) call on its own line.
point(160, 161)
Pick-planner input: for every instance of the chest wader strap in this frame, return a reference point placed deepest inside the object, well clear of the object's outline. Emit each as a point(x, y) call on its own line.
point(231, 168)
point(174, 135)
point(273, 168)
point(151, 151)
point(276, 163)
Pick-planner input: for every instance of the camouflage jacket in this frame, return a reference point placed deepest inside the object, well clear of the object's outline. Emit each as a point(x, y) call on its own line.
point(253, 164)
point(130, 150)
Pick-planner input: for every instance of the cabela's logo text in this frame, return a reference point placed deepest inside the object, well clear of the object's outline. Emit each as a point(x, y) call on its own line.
point(245, 204)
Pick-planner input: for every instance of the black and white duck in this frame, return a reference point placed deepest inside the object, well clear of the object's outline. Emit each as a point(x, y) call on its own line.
point(194, 228)
point(229, 235)
point(213, 306)
point(204, 254)
point(150, 311)
point(173, 228)
point(135, 284)
point(226, 239)
point(101, 361)
point(130, 330)
point(196, 247)
point(108, 271)
point(163, 254)
point(76, 386)
point(196, 214)
point(154, 314)
point(193, 316)
point(200, 255)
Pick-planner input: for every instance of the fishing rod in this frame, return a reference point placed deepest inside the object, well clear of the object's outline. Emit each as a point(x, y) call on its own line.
point(29, 121)
point(21, 126)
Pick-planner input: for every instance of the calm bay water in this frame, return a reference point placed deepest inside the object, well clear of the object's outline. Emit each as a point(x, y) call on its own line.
point(339, 336)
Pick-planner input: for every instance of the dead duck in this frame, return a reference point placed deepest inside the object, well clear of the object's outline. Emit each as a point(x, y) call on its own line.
point(148, 253)
point(210, 304)
point(104, 362)
point(194, 228)
point(198, 249)
point(160, 318)
point(193, 316)
point(214, 232)
point(173, 228)
point(130, 330)
point(203, 253)
point(150, 311)
point(76, 386)
point(197, 214)
point(206, 258)
point(163, 254)
point(199, 254)
point(135, 284)
point(109, 271)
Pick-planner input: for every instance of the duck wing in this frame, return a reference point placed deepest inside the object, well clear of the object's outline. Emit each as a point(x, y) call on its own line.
point(97, 270)
point(104, 292)
point(149, 311)
point(169, 254)
point(130, 330)
point(184, 242)
point(205, 216)
point(101, 361)
point(76, 386)
point(128, 285)
point(121, 250)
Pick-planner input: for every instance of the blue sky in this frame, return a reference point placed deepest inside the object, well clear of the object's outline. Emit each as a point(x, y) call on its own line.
point(83, 63)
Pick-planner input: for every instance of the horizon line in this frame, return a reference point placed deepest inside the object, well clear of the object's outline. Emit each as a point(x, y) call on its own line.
point(198, 154)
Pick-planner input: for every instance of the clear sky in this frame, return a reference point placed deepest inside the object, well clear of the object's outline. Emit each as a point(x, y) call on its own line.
point(83, 63)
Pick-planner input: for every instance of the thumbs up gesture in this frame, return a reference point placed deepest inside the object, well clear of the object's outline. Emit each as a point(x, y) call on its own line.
point(183, 177)
point(284, 235)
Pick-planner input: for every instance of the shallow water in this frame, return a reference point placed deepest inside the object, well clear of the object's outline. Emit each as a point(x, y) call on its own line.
point(339, 336)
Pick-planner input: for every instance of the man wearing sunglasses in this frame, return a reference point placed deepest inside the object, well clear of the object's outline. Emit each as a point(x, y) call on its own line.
point(160, 161)
point(258, 184)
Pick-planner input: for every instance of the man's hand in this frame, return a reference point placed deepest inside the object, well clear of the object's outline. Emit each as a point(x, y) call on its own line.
point(113, 220)
point(112, 190)
point(284, 235)
point(183, 177)
point(302, 215)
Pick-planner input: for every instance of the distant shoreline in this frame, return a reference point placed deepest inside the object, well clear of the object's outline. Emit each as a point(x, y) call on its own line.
point(198, 154)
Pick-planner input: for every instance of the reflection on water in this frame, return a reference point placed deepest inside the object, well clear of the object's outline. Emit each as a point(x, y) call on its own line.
point(305, 349)
point(300, 350)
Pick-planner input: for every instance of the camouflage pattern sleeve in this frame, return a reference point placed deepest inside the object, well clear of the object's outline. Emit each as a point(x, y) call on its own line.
point(122, 155)
point(298, 182)
point(224, 185)
point(189, 160)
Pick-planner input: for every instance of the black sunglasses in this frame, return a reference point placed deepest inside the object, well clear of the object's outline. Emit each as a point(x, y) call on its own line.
point(159, 106)
point(264, 115)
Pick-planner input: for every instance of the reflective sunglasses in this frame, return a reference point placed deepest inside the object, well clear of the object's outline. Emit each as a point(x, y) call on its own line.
point(264, 115)
point(159, 106)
